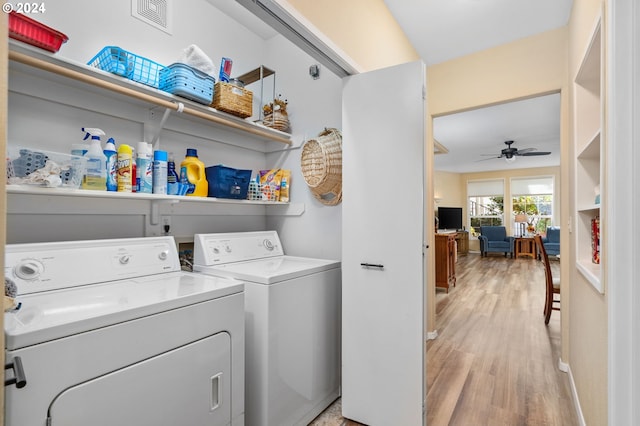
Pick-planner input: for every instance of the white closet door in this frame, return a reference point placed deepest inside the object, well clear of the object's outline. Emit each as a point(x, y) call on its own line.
point(383, 349)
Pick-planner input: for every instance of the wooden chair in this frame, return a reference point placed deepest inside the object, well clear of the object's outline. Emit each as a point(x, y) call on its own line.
point(552, 284)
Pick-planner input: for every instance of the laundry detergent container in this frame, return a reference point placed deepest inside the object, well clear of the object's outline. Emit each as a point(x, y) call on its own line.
point(227, 182)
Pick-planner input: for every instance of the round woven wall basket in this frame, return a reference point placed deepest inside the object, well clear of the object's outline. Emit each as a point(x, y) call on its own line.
point(321, 164)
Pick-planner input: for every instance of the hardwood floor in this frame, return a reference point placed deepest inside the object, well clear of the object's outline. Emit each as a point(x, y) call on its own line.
point(494, 361)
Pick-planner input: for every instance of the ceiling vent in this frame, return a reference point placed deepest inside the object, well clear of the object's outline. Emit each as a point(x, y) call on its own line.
point(156, 13)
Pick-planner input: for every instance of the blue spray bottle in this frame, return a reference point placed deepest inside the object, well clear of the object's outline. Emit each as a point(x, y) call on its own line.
point(112, 168)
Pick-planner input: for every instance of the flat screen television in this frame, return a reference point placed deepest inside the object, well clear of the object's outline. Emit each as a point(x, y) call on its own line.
point(450, 218)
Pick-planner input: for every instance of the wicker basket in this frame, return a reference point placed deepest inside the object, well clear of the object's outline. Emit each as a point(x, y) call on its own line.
point(232, 99)
point(277, 120)
point(321, 164)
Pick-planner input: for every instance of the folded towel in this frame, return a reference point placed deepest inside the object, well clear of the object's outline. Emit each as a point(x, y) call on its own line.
point(196, 58)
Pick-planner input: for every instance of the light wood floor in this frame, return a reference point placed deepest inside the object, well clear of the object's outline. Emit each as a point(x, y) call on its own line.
point(494, 361)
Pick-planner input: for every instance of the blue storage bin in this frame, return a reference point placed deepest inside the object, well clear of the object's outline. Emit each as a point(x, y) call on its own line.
point(126, 64)
point(226, 182)
point(182, 80)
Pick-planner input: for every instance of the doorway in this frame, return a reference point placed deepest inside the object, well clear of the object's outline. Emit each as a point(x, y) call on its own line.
point(473, 144)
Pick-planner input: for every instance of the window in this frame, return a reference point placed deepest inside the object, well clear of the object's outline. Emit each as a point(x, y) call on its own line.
point(534, 197)
point(486, 204)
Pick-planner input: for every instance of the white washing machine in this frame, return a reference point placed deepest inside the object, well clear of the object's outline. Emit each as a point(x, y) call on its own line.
point(292, 324)
point(111, 332)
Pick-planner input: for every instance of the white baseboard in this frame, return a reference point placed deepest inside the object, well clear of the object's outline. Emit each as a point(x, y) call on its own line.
point(574, 392)
point(431, 335)
point(563, 366)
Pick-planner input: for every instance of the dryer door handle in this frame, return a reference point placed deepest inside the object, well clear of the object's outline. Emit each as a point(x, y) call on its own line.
point(19, 378)
point(216, 390)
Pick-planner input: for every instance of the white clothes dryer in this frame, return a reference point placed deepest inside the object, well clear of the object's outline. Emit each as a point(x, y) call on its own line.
point(112, 332)
point(292, 324)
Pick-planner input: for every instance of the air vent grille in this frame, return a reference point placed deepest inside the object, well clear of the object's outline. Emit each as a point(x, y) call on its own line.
point(156, 13)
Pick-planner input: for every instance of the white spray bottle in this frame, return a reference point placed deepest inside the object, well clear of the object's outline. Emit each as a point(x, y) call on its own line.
point(112, 170)
point(96, 176)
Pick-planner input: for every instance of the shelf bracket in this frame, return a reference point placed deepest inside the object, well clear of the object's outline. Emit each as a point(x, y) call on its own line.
point(163, 120)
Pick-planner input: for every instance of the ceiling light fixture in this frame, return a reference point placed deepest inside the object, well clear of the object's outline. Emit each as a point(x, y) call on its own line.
point(510, 159)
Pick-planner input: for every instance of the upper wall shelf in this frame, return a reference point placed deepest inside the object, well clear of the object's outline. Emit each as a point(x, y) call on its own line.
point(53, 67)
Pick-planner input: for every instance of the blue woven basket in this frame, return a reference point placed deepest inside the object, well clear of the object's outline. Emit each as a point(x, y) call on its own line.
point(226, 182)
point(126, 64)
point(183, 80)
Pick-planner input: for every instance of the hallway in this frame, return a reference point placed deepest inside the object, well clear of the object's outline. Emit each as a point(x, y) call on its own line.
point(494, 361)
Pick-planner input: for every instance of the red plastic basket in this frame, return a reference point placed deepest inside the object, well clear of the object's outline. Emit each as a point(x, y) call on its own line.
point(30, 31)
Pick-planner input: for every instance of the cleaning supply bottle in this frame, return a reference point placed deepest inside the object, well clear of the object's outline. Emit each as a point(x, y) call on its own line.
point(125, 168)
point(173, 180)
point(96, 174)
point(160, 167)
point(112, 157)
point(192, 172)
point(144, 168)
point(134, 173)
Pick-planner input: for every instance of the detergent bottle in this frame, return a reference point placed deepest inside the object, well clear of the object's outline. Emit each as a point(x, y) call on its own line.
point(96, 174)
point(112, 158)
point(192, 173)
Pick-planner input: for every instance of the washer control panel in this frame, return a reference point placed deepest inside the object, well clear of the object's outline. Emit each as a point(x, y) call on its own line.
point(51, 266)
point(217, 249)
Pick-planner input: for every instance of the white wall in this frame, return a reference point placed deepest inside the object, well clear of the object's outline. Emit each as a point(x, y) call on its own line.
point(47, 124)
point(313, 105)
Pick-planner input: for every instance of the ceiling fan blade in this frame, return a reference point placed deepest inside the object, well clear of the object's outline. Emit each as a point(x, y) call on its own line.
point(522, 151)
point(530, 154)
point(490, 158)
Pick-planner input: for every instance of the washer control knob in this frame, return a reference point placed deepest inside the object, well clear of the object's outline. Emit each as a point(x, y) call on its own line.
point(268, 244)
point(124, 259)
point(227, 248)
point(163, 255)
point(216, 250)
point(29, 269)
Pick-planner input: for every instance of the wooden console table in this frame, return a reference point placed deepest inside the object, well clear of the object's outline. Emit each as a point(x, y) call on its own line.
point(525, 247)
point(445, 260)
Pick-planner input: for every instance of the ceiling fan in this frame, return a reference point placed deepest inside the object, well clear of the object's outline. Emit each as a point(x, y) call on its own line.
point(510, 154)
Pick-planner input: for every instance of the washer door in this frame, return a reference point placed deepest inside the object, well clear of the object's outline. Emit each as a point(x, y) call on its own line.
point(188, 385)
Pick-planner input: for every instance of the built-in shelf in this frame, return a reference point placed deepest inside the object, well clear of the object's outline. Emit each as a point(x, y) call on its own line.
point(24, 58)
point(589, 149)
point(593, 208)
point(32, 70)
point(23, 199)
point(591, 271)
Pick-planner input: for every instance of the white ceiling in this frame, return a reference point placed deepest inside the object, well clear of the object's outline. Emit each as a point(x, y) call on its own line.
point(473, 136)
point(441, 30)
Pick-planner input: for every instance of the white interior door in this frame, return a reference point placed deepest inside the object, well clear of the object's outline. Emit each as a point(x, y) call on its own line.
point(383, 310)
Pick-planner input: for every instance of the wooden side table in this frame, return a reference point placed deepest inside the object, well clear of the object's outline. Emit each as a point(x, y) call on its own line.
point(525, 247)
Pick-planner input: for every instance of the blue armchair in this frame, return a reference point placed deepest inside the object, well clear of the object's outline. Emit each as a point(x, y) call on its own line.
point(495, 239)
point(551, 242)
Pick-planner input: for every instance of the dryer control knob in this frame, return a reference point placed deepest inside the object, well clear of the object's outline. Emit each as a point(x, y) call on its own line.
point(227, 249)
point(124, 259)
point(216, 250)
point(268, 244)
point(29, 269)
point(163, 255)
